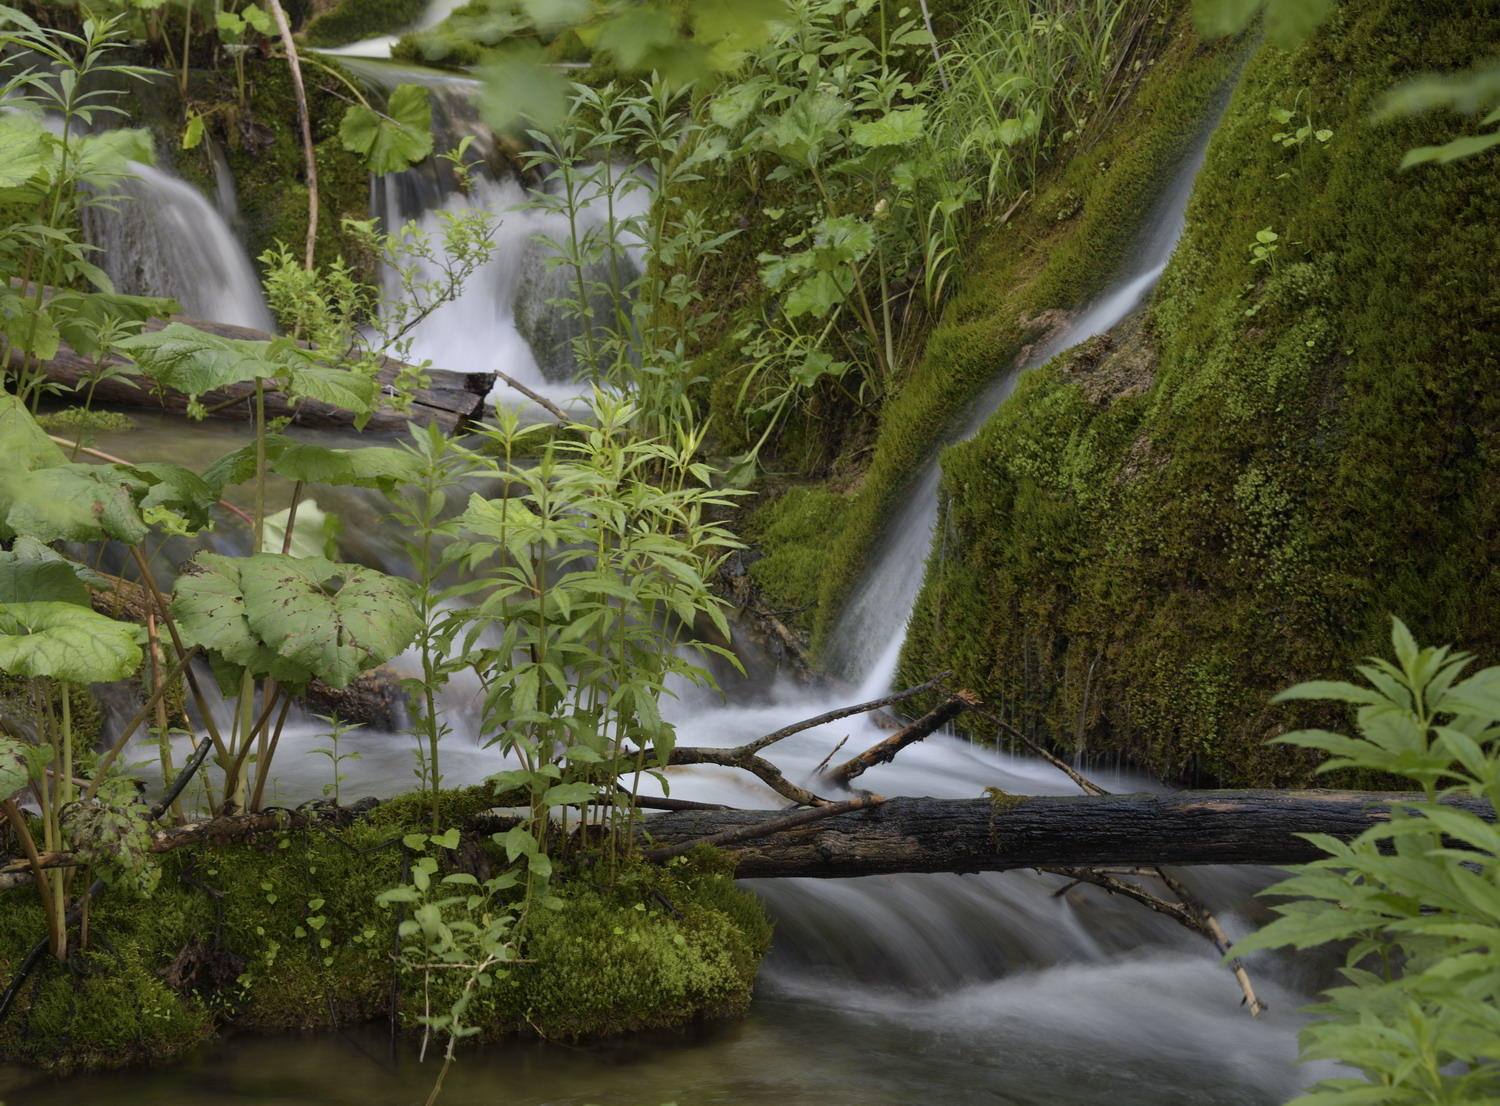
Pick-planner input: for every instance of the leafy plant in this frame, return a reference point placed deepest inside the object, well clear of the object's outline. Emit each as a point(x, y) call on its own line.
point(1414, 900)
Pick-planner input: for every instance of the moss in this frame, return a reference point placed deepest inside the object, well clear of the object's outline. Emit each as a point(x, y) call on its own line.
point(789, 526)
point(84, 710)
point(1134, 572)
point(353, 20)
point(283, 933)
point(262, 140)
point(1051, 256)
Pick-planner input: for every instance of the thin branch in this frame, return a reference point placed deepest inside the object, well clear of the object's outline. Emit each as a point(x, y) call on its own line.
point(764, 829)
point(842, 712)
point(928, 724)
point(768, 773)
point(536, 397)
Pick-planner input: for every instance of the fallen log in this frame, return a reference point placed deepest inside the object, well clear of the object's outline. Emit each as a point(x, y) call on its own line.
point(891, 836)
point(451, 399)
point(1030, 831)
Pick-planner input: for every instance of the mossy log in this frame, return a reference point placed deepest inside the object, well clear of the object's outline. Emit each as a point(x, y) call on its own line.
point(451, 399)
point(890, 836)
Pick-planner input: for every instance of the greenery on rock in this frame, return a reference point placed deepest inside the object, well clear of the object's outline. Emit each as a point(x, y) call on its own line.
point(1137, 570)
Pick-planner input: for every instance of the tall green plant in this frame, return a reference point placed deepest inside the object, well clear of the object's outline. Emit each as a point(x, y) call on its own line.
point(1414, 901)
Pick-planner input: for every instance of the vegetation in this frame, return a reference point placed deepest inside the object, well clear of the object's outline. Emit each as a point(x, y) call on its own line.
point(785, 262)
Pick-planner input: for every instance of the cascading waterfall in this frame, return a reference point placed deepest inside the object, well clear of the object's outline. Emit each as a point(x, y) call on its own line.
point(504, 319)
point(165, 238)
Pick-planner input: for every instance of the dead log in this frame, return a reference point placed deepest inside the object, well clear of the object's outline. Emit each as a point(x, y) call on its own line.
point(1031, 831)
point(451, 399)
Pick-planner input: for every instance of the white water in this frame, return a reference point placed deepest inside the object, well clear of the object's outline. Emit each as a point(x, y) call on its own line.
point(165, 238)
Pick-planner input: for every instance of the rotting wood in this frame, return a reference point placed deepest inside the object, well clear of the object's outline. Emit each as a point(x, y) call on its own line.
point(452, 400)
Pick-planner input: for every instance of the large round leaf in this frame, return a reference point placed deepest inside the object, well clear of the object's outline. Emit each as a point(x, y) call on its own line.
point(67, 642)
point(294, 618)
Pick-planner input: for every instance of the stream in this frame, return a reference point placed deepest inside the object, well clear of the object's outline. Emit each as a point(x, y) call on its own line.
point(998, 988)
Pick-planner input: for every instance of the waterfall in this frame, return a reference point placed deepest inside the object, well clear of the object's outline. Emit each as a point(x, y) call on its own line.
point(868, 637)
point(162, 237)
point(505, 318)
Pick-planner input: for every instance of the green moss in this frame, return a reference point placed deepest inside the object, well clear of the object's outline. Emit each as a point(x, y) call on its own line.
point(789, 527)
point(284, 933)
point(1053, 255)
point(353, 20)
point(1134, 571)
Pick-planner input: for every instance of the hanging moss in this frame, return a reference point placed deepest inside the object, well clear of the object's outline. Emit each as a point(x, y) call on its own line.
point(283, 933)
point(1053, 254)
point(1134, 571)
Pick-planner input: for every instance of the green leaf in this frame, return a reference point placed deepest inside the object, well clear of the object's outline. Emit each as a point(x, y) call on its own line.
point(82, 317)
point(259, 18)
point(1459, 148)
point(295, 618)
point(519, 86)
point(194, 361)
point(337, 387)
point(395, 140)
point(67, 642)
point(14, 771)
point(26, 580)
point(371, 467)
point(24, 149)
point(895, 128)
point(68, 502)
point(192, 134)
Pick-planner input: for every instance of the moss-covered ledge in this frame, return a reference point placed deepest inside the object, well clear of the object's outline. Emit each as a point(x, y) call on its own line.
point(283, 933)
point(1050, 255)
point(1133, 573)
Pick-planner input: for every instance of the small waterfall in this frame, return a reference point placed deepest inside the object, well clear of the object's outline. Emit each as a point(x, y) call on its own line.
point(165, 238)
point(866, 642)
point(505, 318)
point(380, 45)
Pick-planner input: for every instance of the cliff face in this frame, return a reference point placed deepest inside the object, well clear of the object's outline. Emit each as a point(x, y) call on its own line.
point(1159, 531)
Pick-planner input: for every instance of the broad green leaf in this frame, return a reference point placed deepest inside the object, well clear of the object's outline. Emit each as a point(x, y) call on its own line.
point(23, 149)
point(177, 489)
point(1459, 148)
point(67, 642)
point(68, 502)
point(23, 444)
point(394, 140)
point(259, 18)
point(194, 362)
point(192, 134)
point(294, 618)
point(370, 467)
point(82, 317)
point(14, 773)
point(25, 580)
point(895, 128)
point(518, 86)
point(105, 157)
point(342, 388)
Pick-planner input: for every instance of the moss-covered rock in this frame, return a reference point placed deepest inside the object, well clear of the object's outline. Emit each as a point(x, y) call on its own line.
point(1309, 445)
point(283, 933)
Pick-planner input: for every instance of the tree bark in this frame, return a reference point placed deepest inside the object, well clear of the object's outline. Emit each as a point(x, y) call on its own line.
point(451, 399)
point(983, 835)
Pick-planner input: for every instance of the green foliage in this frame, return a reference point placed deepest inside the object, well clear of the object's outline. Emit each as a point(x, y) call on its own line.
point(67, 642)
point(1415, 900)
point(392, 140)
point(294, 618)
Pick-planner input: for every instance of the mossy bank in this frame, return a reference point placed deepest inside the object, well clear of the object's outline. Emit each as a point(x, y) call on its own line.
point(283, 933)
point(1021, 269)
point(1158, 532)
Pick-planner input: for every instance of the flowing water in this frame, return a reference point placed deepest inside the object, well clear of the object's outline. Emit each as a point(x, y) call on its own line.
point(997, 988)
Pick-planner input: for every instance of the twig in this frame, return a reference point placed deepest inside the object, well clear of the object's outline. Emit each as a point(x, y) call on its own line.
point(764, 829)
point(842, 712)
point(822, 764)
point(304, 120)
point(929, 723)
point(536, 397)
point(768, 773)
